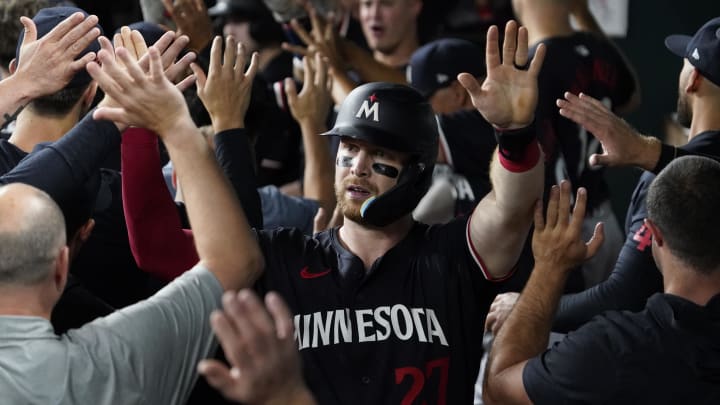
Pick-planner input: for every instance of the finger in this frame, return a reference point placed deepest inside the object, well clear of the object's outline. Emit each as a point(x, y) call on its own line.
point(78, 39)
point(596, 241)
point(30, 34)
point(578, 213)
point(131, 65)
point(171, 53)
point(537, 60)
point(256, 324)
point(596, 160)
point(521, 55)
point(180, 67)
point(509, 43)
point(117, 40)
point(253, 68)
point(239, 66)
point(301, 32)
point(165, 41)
point(168, 6)
point(282, 316)
point(215, 56)
point(111, 114)
point(539, 219)
point(185, 83)
point(127, 43)
point(470, 84)
point(217, 374)
point(552, 207)
point(157, 72)
point(231, 52)
point(308, 73)
point(563, 216)
point(316, 23)
point(80, 63)
point(320, 71)
point(138, 43)
point(69, 30)
point(296, 49)
point(291, 93)
point(492, 52)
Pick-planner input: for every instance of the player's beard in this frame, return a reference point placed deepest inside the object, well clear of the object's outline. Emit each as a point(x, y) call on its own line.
point(351, 208)
point(684, 110)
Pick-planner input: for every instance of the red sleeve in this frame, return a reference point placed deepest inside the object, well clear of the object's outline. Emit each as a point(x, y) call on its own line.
point(158, 242)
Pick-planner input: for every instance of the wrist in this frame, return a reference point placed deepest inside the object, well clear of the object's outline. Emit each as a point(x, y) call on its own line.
point(177, 129)
point(299, 395)
point(23, 91)
point(652, 155)
point(223, 124)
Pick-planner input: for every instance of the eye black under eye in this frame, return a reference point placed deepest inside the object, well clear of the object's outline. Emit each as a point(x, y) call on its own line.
point(385, 170)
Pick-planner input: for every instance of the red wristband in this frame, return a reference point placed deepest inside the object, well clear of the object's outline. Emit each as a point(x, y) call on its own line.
point(530, 157)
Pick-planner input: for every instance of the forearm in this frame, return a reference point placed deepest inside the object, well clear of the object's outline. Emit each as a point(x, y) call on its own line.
point(223, 238)
point(232, 150)
point(319, 172)
point(507, 210)
point(157, 240)
point(525, 333)
point(14, 97)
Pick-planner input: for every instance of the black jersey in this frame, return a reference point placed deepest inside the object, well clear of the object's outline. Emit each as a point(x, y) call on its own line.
point(666, 354)
point(578, 63)
point(635, 276)
point(10, 156)
point(409, 330)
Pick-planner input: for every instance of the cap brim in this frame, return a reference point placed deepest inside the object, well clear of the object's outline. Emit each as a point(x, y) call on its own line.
point(364, 133)
point(677, 44)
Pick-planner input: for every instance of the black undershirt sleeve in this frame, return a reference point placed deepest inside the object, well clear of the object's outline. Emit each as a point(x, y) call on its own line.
point(633, 280)
point(232, 150)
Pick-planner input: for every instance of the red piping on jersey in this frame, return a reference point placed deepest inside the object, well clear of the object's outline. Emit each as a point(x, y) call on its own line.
point(478, 259)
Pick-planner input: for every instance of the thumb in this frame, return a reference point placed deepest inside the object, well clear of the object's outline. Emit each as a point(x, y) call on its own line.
point(200, 77)
point(290, 91)
point(599, 160)
point(216, 373)
point(30, 30)
point(593, 245)
point(470, 84)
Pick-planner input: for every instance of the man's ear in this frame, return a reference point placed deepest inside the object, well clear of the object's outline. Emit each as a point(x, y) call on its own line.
point(655, 231)
point(60, 273)
point(12, 67)
point(89, 95)
point(693, 81)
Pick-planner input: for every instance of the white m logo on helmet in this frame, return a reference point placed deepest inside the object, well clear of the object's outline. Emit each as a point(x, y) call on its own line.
point(366, 109)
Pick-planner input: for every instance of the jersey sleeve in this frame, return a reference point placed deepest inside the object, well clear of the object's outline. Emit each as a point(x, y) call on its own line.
point(633, 280)
point(159, 340)
point(579, 369)
point(158, 242)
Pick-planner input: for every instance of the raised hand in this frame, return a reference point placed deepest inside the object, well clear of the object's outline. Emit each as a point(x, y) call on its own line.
point(322, 38)
point(260, 346)
point(499, 311)
point(47, 64)
point(147, 100)
point(622, 145)
point(192, 19)
point(557, 243)
point(313, 102)
point(225, 91)
point(508, 96)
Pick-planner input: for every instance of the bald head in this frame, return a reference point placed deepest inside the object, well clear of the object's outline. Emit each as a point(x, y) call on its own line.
point(32, 233)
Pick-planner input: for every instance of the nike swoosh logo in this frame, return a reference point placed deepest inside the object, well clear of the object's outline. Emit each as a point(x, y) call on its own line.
point(305, 273)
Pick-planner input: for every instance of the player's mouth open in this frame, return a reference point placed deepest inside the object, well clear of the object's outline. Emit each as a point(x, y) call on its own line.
point(357, 193)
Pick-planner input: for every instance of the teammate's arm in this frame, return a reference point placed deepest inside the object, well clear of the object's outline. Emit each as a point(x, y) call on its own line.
point(557, 248)
point(151, 101)
point(507, 99)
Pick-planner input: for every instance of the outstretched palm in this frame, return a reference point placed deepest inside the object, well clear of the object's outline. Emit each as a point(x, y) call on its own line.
point(508, 96)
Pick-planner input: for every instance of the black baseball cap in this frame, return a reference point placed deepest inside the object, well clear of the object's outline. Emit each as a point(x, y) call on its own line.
point(436, 64)
point(702, 50)
point(48, 18)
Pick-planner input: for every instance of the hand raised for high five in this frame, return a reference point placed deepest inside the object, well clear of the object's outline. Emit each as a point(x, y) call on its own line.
point(557, 243)
point(225, 91)
point(508, 96)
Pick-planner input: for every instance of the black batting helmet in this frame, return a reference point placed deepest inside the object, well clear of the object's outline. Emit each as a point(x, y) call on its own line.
point(395, 117)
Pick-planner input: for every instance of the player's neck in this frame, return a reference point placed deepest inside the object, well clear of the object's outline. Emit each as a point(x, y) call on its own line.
point(32, 128)
point(704, 118)
point(24, 301)
point(544, 25)
point(400, 56)
point(369, 243)
point(693, 286)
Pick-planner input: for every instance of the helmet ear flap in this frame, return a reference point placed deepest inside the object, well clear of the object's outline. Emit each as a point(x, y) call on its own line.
point(413, 183)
